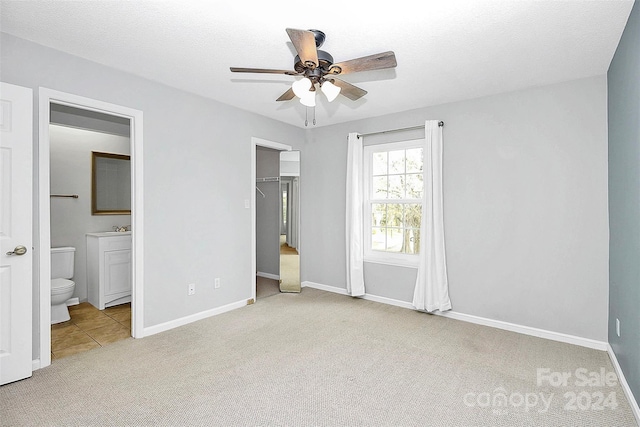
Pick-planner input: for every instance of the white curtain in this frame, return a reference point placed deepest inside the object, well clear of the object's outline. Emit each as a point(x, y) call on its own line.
point(354, 217)
point(432, 288)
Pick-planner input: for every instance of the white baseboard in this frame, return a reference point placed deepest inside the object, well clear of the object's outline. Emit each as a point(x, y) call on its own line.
point(322, 287)
point(526, 330)
point(268, 275)
point(389, 301)
point(73, 301)
point(156, 329)
point(35, 364)
point(624, 384)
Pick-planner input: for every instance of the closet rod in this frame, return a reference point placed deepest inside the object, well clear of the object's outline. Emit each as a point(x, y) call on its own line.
point(440, 123)
point(71, 196)
point(268, 179)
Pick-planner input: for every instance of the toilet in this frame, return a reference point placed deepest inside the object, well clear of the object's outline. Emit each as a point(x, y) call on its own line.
point(62, 262)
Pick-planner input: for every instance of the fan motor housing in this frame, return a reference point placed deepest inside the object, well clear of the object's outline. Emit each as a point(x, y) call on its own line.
point(325, 60)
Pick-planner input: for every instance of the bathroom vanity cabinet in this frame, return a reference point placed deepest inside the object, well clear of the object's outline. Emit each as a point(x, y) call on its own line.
point(109, 268)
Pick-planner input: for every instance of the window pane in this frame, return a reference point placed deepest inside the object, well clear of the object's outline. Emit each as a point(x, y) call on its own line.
point(414, 160)
point(378, 239)
point(396, 161)
point(412, 240)
point(379, 164)
point(394, 240)
point(380, 187)
point(412, 215)
point(394, 215)
point(378, 214)
point(414, 186)
point(396, 187)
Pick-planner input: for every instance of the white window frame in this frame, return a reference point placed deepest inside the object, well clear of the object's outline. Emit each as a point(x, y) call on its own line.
point(370, 255)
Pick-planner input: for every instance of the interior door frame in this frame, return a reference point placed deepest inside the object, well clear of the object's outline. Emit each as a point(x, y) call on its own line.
point(258, 142)
point(46, 97)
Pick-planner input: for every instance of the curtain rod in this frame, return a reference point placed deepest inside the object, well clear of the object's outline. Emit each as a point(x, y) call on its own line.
point(440, 123)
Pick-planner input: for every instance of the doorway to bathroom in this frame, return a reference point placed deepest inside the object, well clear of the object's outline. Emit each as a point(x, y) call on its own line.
point(90, 147)
point(77, 129)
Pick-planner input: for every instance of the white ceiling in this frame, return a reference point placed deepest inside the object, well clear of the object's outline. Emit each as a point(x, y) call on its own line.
point(447, 50)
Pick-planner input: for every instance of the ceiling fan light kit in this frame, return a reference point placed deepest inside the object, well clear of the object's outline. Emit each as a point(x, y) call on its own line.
point(309, 99)
point(314, 65)
point(301, 87)
point(330, 90)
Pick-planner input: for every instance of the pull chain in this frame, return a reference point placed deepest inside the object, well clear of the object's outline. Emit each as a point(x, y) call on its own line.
point(306, 116)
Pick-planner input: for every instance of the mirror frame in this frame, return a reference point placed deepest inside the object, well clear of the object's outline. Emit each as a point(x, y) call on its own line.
point(94, 202)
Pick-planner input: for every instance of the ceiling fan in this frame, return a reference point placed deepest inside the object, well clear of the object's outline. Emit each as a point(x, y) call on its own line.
point(318, 69)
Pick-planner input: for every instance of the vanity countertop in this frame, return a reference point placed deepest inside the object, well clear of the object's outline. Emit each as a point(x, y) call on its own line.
point(110, 233)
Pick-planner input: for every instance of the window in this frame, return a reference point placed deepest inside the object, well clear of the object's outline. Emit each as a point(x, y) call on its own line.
point(393, 181)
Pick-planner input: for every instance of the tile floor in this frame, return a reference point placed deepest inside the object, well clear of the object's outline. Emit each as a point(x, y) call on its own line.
point(90, 328)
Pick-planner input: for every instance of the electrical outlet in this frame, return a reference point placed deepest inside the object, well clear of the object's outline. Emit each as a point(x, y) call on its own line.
point(618, 327)
point(192, 288)
point(216, 283)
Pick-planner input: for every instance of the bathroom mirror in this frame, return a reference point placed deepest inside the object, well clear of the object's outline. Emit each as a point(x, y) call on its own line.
point(110, 184)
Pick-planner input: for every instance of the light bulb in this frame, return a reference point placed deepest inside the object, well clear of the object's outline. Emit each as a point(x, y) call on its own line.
point(309, 99)
point(330, 90)
point(301, 87)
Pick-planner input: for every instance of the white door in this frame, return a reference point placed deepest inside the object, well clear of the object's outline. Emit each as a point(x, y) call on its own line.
point(16, 164)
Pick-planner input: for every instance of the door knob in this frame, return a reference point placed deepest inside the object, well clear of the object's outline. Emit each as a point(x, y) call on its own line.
point(19, 250)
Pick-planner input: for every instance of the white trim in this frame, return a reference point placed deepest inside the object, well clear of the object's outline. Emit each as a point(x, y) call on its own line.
point(320, 286)
point(162, 327)
point(389, 301)
point(391, 262)
point(45, 97)
point(270, 144)
point(633, 403)
point(35, 365)
point(255, 142)
point(525, 330)
point(268, 275)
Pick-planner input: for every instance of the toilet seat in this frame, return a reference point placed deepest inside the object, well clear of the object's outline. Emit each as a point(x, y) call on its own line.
point(59, 286)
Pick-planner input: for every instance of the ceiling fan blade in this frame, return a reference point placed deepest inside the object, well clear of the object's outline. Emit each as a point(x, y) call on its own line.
point(262, 70)
point(305, 43)
point(350, 91)
point(372, 62)
point(288, 95)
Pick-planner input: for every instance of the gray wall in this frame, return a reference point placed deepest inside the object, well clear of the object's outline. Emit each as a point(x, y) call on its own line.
point(525, 195)
point(197, 169)
point(70, 173)
point(268, 212)
point(624, 201)
point(525, 206)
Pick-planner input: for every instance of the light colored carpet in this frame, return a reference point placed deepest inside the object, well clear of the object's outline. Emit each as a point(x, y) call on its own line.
point(266, 287)
point(314, 359)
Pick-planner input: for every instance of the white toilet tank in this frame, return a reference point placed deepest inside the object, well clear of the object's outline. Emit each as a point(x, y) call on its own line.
point(62, 262)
